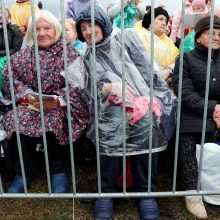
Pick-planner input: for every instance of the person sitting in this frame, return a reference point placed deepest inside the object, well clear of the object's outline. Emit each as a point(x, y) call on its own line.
point(14, 35)
point(20, 14)
point(198, 7)
point(177, 23)
point(71, 34)
point(14, 39)
point(165, 51)
point(24, 71)
point(192, 106)
point(109, 105)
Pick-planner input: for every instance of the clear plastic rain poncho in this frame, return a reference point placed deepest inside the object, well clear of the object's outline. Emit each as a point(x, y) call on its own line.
point(137, 108)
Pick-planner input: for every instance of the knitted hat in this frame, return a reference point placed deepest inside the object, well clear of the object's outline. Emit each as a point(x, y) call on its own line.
point(157, 11)
point(204, 24)
point(199, 3)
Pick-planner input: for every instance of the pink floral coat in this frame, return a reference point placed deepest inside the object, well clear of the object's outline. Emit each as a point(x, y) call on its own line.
point(24, 73)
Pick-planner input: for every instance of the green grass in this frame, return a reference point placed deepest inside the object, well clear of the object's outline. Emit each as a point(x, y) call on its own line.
point(62, 209)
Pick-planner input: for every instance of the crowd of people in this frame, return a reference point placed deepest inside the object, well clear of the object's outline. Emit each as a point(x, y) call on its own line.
point(145, 116)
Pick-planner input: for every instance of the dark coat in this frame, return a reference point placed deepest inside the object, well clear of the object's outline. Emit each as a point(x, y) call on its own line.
point(193, 91)
point(14, 39)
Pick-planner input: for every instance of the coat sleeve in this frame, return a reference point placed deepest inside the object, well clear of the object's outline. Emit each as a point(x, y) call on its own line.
point(77, 79)
point(115, 8)
point(98, 3)
point(176, 25)
point(191, 99)
point(69, 9)
point(141, 10)
point(17, 41)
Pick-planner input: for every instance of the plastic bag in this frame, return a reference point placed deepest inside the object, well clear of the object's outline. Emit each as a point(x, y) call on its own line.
point(210, 175)
point(189, 42)
point(130, 13)
point(137, 108)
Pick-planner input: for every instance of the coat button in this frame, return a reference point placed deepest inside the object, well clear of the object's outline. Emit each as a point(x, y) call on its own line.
point(214, 79)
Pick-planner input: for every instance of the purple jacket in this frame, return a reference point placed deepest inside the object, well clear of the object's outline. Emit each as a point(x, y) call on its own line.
point(74, 7)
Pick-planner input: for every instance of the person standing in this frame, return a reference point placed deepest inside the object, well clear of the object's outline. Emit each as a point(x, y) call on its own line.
point(192, 106)
point(134, 12)
point(109, 99)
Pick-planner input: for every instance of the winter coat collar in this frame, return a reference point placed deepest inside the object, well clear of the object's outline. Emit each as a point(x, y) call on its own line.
point(55, 48)
point(202, 52)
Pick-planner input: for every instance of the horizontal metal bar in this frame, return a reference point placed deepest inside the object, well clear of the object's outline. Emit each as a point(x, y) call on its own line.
point(106, 195)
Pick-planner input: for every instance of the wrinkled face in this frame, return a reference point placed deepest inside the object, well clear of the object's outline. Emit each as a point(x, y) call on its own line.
point(86, 28)
point(70, 32)
point(198, 9)
point(204, 38)
point(45, 34)
point(160, 24)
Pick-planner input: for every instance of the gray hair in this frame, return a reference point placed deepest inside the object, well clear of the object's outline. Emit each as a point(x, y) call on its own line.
point(48, 17)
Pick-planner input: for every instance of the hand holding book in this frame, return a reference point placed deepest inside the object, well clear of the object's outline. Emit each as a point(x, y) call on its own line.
point(49, 102)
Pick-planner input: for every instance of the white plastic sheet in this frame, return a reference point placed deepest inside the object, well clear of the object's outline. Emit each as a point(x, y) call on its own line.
point(210, 174)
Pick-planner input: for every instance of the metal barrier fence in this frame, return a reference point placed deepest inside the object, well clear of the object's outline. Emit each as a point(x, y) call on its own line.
point(124, 194)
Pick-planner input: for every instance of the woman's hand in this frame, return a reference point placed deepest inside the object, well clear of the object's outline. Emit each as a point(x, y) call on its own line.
point(116, 89)
point(217, 121)
point(31, 99)
point(216, 112)
point(129, 1)
point(216, 115)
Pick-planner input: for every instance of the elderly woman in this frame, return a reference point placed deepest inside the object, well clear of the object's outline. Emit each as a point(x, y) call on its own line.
point(137, 99)
point(24, 70)
point(193, 101)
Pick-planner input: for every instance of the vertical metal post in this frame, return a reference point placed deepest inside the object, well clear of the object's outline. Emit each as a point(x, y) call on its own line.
point(179, 97)
point(13, 96)
point(40, 97)
point(95, 93)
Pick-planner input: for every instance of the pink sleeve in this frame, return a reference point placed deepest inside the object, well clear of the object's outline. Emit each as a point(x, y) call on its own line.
point(176, 25)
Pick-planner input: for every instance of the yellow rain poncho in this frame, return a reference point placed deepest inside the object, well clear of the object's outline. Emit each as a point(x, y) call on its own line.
point(21, 12)
point(165, 51)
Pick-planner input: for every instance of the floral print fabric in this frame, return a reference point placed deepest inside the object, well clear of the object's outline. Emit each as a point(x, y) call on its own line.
point(24, 71)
